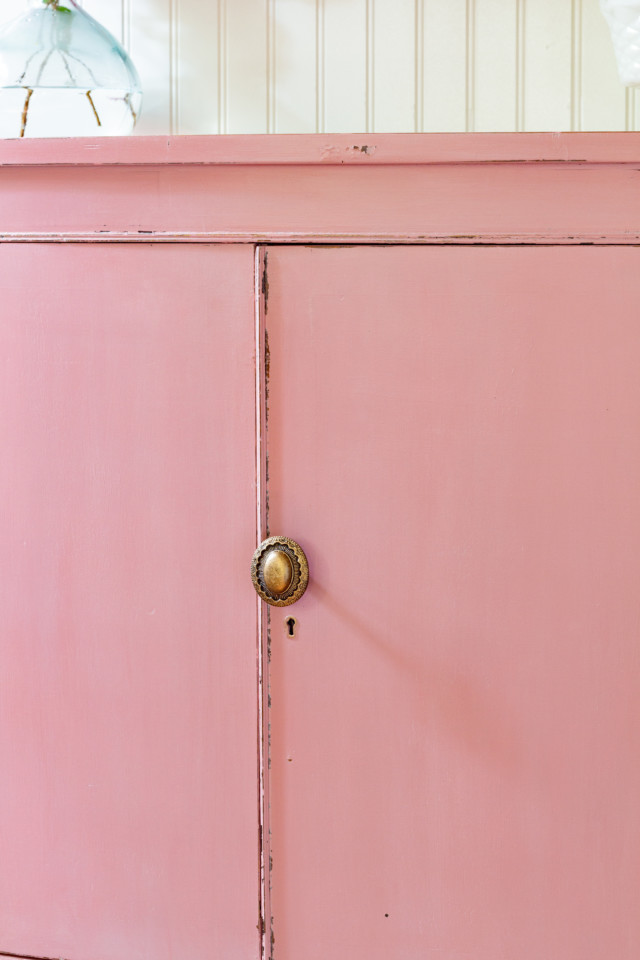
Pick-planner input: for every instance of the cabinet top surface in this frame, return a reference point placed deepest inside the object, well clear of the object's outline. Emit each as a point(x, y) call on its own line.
point(326, 149)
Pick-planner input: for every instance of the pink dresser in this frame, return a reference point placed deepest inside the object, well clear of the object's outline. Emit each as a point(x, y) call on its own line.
point(418, 357)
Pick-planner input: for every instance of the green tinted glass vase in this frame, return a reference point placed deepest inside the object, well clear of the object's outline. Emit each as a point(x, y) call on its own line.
point(63, 75)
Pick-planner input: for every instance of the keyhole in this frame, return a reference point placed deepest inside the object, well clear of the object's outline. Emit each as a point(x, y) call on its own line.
point(291, 626)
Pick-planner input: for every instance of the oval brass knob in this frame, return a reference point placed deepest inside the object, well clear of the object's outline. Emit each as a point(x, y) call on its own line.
point(279, 571)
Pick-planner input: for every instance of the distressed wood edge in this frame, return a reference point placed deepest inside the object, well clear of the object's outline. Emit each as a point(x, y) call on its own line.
point(326, 149)
point(262, 616)
point(327, 239)
point(26, 956)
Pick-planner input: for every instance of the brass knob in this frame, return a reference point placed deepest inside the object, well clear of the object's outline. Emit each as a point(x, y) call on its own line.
point(280, 571)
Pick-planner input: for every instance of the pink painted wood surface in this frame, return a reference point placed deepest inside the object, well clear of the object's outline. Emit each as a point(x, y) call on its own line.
point(455, 749)
point(455, 188)
point(365, 149)
point(128, 719)
point(262, 610)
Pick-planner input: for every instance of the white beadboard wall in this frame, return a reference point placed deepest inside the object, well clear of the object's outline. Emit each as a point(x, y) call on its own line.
point(301, 66)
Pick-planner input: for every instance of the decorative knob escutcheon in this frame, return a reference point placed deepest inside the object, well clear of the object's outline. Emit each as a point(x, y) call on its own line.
point(279, 571)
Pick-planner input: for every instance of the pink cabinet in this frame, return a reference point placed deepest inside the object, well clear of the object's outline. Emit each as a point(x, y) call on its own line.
point(455, 767)
point(127, 665)
point(418, 357)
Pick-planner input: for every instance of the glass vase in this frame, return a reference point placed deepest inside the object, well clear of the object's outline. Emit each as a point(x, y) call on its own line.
point(63, 75)
point(623, 17)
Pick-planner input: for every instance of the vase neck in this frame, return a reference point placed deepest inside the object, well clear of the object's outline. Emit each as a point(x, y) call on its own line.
point(51, 4)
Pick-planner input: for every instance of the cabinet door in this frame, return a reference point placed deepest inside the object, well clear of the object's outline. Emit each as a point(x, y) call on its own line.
point(455, 749)
point(128, 797)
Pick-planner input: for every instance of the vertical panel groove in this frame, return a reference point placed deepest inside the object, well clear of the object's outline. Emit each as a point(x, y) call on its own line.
point(271, 66)
point(174, 114)
point(576, 64)
point(222, 67)
point(470, 72)
point(319, 66)
point(520, 64)
point(171, 66)
point(370, 85)
point(418, 123)
point(628, 108)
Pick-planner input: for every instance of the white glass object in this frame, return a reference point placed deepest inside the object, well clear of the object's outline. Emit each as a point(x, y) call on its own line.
point(63, 75)
point(623, 17)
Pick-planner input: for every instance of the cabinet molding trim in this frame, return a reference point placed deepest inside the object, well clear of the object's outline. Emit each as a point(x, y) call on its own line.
point(368, 149)
point(364, 239)
point(421, 188)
